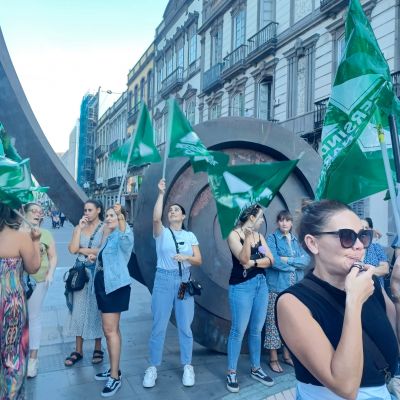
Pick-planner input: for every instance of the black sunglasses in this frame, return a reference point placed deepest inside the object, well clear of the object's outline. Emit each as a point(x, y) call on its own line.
point(348, 237)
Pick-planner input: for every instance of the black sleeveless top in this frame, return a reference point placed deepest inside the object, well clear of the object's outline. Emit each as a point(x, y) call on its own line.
point(237, 268)
point(374, 322)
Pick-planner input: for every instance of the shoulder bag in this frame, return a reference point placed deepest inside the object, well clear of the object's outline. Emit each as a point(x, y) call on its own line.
point(193, 287)
point(76, 278)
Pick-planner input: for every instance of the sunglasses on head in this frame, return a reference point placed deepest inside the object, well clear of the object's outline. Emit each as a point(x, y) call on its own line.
point(348, 237)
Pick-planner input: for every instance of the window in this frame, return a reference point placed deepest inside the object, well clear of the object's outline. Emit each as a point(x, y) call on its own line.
point(216, 45)
point(191, 110)
point(239, 25)
point(165, 128)
point(301, 82)
point(142, 83)
point(301, 8)
point(301, 86)
point(264, 100)
point(149, 86)
point(158, 130)
point(135, 96)
point(180, 52)
point(192, 43)
point(159, 75)
point(265, 12)
point(237, 105)
point(215, 110)
point(168, 63)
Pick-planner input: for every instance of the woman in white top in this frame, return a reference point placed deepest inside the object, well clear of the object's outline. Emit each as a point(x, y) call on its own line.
point(177, 250)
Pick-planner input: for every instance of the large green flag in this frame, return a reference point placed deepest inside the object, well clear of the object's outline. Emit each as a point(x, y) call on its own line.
point(144, 150)
point(184, 142)
point(362, 97)
point(17, 186)
point(240, 186)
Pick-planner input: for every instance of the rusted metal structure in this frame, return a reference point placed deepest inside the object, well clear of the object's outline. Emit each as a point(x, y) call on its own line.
point(247, 141)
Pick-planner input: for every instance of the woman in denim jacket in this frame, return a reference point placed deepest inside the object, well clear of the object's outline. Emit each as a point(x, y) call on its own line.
point(112, 287)
point(290, 260)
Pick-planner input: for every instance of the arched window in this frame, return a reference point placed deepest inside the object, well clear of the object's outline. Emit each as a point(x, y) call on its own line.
point(264, 99)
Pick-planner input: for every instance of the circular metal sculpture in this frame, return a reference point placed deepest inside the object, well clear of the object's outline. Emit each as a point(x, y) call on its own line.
point(246, 141)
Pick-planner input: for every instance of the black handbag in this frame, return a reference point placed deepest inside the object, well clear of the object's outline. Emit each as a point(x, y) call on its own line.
point(29, 284)
point(77, 276)
point(193, 287)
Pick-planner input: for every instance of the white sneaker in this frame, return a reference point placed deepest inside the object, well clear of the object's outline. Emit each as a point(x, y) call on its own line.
point(188, 375)
point(33, 364)
point(150, 377)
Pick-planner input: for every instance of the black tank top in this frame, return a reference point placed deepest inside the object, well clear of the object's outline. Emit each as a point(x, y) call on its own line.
point(374, 321)
point(237, 268)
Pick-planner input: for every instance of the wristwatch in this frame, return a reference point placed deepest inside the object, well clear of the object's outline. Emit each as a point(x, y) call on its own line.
point(255, 263)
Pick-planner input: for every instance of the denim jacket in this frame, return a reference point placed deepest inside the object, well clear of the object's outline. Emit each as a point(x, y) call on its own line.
point(116, 252)
point(278, 276)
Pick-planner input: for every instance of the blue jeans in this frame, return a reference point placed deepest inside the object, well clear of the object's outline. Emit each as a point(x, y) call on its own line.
point(248, 302)
point(165, 292)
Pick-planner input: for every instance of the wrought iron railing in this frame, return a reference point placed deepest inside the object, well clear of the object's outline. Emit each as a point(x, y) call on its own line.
point(114, 145)
point(319, 113)
point(212, 76)
point(175, 77)
point(263, 36)
point(238, 56)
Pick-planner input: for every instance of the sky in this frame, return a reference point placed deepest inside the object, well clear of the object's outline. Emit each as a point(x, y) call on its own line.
point(62, 49)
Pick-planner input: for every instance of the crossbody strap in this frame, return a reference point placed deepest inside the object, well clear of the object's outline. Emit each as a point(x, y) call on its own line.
point(177, 251)
point(94, 234)
point(379, 359)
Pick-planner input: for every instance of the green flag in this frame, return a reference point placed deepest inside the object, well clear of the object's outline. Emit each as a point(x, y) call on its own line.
point(215, 160)
point(362, 96)
point(184, 142)
point(144, 150)
point(17, 186)
point(240, 186)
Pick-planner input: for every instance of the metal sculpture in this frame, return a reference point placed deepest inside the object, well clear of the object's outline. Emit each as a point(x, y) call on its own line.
point(246, 140)
point(19, 120)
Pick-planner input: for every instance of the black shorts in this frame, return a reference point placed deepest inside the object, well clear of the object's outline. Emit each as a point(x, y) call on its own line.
point(114, 302)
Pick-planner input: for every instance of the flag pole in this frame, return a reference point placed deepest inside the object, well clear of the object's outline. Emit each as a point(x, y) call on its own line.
point(396, 156)
point(389, 178)
point(121, 186)
point(167, 139)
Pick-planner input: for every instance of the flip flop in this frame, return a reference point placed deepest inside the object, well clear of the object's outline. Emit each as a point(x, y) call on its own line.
point(288, 361)
point(278, 369)
point(73, 358)
point(98, 356)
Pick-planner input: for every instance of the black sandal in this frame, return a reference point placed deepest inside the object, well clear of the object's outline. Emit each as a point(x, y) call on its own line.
point(73, 358)
point(275, 363)
point(98, 356)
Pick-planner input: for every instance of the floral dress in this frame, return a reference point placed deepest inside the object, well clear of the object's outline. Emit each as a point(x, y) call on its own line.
point(85, 319)
point(14, 336)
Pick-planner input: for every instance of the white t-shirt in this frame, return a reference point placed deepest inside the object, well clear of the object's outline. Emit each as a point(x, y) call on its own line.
point(166, 250)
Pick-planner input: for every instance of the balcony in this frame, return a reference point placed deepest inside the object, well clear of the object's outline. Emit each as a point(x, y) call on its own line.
point(114, 145)
point(114, 182)
point(173, 81)
point(332, 6)
point(263, 43)
point(234, 62)
point(212, 78)
point(396, 83)
point(133, 114)
point(100, 151)
point(300, 125)
point(319, 114)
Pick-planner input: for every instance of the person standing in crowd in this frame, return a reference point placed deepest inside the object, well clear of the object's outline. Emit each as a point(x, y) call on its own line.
point(248, 294)
point(329, 320)
point(290, 260)
point(375, 254)
point(112, 287)
point(48, 263)
point(177, 250)
point(62, 219)
point(85, 322)
point(18, 251)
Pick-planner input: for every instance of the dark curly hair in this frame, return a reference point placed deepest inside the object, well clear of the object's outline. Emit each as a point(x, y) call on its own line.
point(97, 204)
point(252, 210)
point(8, 218)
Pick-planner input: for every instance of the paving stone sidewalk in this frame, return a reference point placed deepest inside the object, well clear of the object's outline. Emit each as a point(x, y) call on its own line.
point(55, 381)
